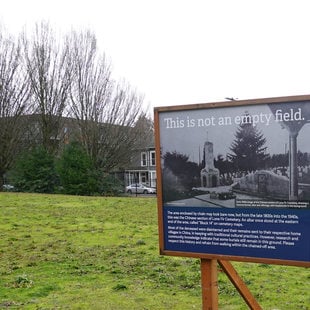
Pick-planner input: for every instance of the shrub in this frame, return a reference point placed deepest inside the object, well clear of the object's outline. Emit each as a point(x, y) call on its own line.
point(34, 171)
point(76, 171)
point(111, 185)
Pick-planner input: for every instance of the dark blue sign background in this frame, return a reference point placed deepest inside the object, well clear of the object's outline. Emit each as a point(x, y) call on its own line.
point(261, 233)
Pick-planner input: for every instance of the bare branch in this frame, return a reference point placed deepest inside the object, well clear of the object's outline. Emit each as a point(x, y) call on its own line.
point(47, 66)
point(13, 102)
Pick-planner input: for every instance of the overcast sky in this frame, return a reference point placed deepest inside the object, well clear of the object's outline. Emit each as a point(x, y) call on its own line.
point(182, 52)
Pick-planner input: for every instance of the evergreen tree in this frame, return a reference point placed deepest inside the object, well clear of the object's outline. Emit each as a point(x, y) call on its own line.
point(76, 171)
point(248, 148)
point(34, 171)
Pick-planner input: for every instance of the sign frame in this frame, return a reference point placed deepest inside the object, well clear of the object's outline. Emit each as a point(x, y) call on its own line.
point(158, 111)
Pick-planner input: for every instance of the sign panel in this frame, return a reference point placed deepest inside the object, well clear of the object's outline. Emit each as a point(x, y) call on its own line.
point(234, 180)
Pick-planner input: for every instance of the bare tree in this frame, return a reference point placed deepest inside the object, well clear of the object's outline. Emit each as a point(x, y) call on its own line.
point(42, 80)
point(106, 113)
point(90, 89)
point(48, 69)
point(123, 133)
point(13, 102)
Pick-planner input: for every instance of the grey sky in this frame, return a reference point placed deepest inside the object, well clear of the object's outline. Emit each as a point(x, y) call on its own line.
point(184, 52)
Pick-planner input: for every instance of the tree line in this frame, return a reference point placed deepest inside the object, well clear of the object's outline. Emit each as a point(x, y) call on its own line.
point(49, 81)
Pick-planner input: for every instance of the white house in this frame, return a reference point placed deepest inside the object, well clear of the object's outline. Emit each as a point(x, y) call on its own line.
point(142, 168)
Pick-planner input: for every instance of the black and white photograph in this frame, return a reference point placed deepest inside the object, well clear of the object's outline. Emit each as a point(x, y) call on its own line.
point(237, 156)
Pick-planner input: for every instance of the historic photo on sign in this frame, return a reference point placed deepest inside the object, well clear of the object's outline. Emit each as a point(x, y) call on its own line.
point(237, 156)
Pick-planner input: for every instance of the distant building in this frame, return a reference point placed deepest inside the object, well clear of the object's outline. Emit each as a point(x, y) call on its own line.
point(142, 168)
point(139, 167)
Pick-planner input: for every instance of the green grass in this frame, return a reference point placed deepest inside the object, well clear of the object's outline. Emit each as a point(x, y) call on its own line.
point(70, 252)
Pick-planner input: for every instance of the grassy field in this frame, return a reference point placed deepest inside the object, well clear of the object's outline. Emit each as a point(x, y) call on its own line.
point(70, 252)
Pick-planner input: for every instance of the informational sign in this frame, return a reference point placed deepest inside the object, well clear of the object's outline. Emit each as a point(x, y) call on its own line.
point(234, 180)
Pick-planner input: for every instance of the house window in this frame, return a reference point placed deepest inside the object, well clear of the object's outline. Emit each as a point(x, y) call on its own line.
point(144, 178)
point(143, 159)
point(152, 158)
point(153, 179)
